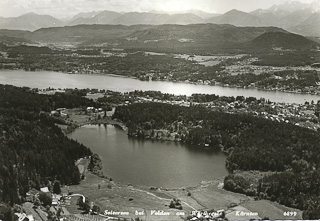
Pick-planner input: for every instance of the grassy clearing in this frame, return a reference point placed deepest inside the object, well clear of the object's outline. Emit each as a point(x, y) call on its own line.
point(272, 210)
point(116, 197)
point(112, 196)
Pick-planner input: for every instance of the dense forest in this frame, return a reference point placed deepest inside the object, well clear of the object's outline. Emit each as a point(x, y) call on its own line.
point(253, 143)
point(287, 79)
point(290, 58)
point(33, 150)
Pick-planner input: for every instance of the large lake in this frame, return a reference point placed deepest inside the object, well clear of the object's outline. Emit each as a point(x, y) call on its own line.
point(45, 79)
point(151, 163)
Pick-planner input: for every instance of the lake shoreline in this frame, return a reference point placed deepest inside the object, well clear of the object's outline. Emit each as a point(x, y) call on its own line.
point(281, 96)
point(216, 84)
point(186, 82)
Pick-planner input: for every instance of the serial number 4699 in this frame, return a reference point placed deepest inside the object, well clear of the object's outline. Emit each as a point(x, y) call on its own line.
point(290, 213)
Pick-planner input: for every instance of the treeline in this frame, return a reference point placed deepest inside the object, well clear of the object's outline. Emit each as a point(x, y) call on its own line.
point(31, 50)
point(288, 79)
point(120, 98)
point(283, 59)
point(29, 100)
point(297, 187)
point(33, 150)
point(253, 143)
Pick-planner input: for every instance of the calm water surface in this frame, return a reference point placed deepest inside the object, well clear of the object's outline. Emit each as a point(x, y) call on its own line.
point(45, 79)
point(150, 163)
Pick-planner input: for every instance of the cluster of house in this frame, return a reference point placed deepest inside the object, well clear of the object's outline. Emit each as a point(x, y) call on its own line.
point(55, 197)
point(57, 200)
point(299, 114)
point(59, 112)
point(24, 217)
point(94, 110)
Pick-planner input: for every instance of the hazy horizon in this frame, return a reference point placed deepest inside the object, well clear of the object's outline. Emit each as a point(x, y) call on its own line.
point(69, 8)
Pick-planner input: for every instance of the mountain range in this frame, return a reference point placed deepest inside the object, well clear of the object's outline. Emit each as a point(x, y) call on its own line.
point(293, 16)
point(165, 38)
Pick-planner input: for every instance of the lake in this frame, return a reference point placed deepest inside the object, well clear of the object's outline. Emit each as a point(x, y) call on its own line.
point(150, 163)
point(45, 79)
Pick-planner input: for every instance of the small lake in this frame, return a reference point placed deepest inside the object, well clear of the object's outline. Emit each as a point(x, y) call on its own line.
point(46, 79)
point(151, 163)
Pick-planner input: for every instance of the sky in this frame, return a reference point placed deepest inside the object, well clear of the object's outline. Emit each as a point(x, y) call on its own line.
point(68, 8)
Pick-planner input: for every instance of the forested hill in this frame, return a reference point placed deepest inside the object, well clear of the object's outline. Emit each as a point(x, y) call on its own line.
point(33, 151)
point(283, 40)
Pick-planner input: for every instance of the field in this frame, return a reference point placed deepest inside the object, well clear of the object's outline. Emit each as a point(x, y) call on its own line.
point(272, 210)
point(112, 196)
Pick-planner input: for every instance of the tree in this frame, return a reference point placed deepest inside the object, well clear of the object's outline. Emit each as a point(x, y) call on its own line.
point(95, 209)
point(6, 212)
point(59, 212)
point(36, 202)
point(52, 216)
point(45, 199)
point(56, 187)
point(86, 207)
point(80, 201)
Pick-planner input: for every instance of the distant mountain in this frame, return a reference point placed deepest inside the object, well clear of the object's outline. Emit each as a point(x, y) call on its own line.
point(193, 37)
point(190, 38)
point(270, 18)
point(4, 20)
point(183, 19)
point(286, 15)
point(289, 6)
point(198, 13)
point(267, 14)
point(309, 27)
point(30, 21)
point(283, 40)
point(104, 17)
point(237, 18)
point(315, 6)
point(135, 18)
point(86, 14)
point(294, 18)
